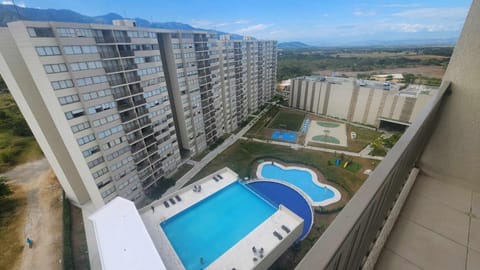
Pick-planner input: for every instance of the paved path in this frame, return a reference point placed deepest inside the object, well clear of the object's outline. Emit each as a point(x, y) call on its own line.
point(211, 155)
point(43, 222)
point(298, 146)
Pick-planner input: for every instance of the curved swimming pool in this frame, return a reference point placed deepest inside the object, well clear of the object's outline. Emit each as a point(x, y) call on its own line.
point(302, 178)
point(278, 193)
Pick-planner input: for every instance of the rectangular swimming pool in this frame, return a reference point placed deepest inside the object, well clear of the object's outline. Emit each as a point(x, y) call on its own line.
point(206, 230)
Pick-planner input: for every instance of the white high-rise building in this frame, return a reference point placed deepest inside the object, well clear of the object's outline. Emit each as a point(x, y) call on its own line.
point(115, 107)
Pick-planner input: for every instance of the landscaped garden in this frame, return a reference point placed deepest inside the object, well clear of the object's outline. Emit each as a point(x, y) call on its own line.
point(243, 157)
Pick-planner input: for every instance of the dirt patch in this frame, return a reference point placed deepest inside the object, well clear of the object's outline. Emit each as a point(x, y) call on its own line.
point(426, 71)
point(12, 220)
point(43, 215)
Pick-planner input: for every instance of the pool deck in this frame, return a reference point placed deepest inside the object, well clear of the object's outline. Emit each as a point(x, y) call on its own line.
point(240, 256)
point(336, 197)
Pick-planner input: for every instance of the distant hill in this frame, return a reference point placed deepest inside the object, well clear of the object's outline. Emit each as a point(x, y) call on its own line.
point(293, 45)
point(8, 13)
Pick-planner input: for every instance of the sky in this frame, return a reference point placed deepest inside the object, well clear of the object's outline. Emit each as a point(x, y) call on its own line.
point(315, 22)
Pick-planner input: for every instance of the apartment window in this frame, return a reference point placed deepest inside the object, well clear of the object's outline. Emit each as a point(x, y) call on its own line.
point(68, 99)
point(91, 80)
point(66, 32)
point(80, 127)
point(91, 151)
point(57, 85)
point(121, 163)
point(100, 172)
point(74, 32)
point(40, 32)
point(86, 65)
point(55, 68)
point(86, 139)
point(74, 114)
point(104, 120)
point(112, 143)
point(118, 153)
point(148, 71)
point(108, 192)
point(80, 49)
point(101, 107)
point(97, 94)
point(109, 132)
point(48, 50)
point(95, 162)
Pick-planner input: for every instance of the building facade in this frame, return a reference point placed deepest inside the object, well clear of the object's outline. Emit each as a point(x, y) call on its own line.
point(115, 108)
point(359, 101)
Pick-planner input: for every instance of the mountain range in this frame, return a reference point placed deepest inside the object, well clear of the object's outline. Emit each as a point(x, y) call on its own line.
point(10, 13)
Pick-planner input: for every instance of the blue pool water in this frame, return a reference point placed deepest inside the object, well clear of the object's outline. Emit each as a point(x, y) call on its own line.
point(279, 193)
point(284, 136)
point(299, 178)
point(212, 226)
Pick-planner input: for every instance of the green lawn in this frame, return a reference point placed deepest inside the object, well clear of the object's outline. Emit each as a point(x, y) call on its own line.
point(17, 144)
point(328, 124)
point(327, 139)
point(242, 155)
point(288, 120)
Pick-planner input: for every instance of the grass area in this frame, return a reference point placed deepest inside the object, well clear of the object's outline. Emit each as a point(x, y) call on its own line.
point(242, 155)
point(353, 167)
point(12, 219)
point(327, 139)
point(17, 144)
point(328, 124)
point(256, 130)
point(288, 120)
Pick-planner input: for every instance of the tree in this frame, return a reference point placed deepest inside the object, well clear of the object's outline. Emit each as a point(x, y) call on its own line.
point(5, 189)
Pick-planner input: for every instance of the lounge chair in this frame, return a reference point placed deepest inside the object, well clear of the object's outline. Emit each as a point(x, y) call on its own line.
point(286, 229)
point(279, 236)
point(166, 204)
point(215, 178)
point(219, 176)
point(178, 198)
point(172, 201)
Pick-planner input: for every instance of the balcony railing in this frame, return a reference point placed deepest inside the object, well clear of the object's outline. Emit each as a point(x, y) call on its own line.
point(349, 238)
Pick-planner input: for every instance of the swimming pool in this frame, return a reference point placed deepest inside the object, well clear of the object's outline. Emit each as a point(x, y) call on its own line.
point(302, 178)
point(279, 193)
point(209, 228)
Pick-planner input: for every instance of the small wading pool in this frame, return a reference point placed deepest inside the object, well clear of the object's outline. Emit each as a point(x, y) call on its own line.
point(303, 179)
point(209, 228)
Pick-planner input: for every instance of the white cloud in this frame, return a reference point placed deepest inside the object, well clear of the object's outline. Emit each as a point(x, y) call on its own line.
point(19, 4)
point(213, 24)
point(253, 28)
point(427, 13)
point(361, 13)
point(416, 27)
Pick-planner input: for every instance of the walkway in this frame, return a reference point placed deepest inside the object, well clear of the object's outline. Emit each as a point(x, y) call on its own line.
point(211, 155)
point(43, 215)
point(362, 154)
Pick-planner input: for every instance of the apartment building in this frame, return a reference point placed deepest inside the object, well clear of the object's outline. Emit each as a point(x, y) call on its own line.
point(115, 107)
point(360, 101)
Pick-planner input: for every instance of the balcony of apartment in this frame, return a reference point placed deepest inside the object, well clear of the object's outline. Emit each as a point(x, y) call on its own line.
point(420, 208)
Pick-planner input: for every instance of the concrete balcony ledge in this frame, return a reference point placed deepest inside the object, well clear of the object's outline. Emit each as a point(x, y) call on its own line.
point(438, 228)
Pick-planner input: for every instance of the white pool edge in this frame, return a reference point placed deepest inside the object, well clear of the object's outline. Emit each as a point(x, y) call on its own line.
point(337, 196)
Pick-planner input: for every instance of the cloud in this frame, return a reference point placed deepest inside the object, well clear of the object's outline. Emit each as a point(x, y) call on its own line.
point(19, 4)
point(416, 27)
point(253, 28)
point(213, 24)
point(427, 13)
point(361, 13)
